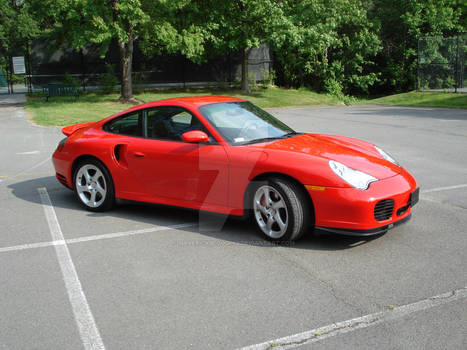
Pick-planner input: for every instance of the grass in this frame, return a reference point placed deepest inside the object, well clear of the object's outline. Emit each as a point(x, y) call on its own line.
point(422, 99)
point(61, 111)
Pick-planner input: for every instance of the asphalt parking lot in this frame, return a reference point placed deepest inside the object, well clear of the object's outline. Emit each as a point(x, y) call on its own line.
point(152, 277)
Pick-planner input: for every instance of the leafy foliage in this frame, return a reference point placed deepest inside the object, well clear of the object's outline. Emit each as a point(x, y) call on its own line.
point(155, 24)
point(329, 46)
point(401, 23)
point(70, 80)
point(344, 47)
point(17, 25)
point(240, 25)
point(108, 80)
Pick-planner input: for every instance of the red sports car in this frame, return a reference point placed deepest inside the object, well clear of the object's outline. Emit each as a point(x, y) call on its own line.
point(225, 155)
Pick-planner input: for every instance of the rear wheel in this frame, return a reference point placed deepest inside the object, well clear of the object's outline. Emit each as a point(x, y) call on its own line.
point(280, 209)
point(93, 185)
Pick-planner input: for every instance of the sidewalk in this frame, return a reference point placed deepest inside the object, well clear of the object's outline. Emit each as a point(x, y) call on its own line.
point(12, 99)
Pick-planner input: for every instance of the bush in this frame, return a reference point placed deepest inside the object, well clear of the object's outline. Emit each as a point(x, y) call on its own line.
point(333, 87)
point(252, 80)
point(268, 76)
point(108, 80)
point(70, 80)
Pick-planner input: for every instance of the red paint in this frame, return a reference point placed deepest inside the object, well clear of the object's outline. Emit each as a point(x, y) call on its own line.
point(68, 130)
point(195, 136)
point(214, 175)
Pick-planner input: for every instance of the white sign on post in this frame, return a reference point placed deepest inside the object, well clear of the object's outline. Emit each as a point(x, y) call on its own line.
point(18, 65)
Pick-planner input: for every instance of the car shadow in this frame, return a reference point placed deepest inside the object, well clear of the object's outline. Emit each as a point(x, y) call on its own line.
point(222, 227)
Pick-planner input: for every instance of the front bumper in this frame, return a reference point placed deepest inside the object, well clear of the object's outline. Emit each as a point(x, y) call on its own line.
point(351, 211)
point(364, 232)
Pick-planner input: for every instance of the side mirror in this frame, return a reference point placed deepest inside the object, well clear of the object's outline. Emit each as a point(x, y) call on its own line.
point(195, 136)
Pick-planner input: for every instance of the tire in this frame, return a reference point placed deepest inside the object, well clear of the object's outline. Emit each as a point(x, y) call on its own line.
point(280, 209)
point(93, 185)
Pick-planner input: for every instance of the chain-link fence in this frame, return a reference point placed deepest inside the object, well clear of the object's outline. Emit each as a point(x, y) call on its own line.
point(442, 63)
point(88, 69)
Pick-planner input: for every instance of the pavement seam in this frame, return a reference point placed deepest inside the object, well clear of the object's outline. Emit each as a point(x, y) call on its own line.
point(334, 329)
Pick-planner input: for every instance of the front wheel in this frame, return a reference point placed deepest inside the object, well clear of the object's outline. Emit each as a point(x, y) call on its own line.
point(93, 186)
point(280, 209)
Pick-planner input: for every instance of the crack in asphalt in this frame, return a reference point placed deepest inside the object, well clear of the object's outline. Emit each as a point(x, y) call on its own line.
point(328, 286)
point(390, 314)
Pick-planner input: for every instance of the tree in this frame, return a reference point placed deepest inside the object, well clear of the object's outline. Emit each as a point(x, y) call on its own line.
point(150, 22)
point(243, 25)
point(401, 22)
point(17, 28)
point(329, 46)
point(17, 25)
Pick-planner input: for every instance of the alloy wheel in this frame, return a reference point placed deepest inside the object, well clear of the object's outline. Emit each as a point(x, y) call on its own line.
point(91, 185)
point(270, 211)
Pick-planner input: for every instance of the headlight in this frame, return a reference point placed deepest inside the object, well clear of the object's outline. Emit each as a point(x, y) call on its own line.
point(386, 156)
point(354, 177)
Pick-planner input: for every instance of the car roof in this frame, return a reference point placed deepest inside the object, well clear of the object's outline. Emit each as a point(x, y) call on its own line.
point(195, 101)
point(189, 101)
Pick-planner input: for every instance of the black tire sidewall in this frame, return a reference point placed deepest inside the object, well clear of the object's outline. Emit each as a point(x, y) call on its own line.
point(277, 184)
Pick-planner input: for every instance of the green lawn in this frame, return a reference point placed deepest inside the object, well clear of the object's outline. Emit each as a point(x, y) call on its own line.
point(62, 111)
point(422, 99)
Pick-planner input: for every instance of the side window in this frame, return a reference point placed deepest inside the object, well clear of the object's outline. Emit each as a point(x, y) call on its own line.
point(129, 124)
point(182, 119)
point(169, 123)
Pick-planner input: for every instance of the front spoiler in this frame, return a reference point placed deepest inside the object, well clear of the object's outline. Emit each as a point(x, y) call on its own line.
point(366, 232)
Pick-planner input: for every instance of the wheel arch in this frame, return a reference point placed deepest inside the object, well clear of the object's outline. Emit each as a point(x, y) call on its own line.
point(268, 175)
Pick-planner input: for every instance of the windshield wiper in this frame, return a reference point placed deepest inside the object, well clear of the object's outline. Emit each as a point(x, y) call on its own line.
point(290, 134)
point(265, 139)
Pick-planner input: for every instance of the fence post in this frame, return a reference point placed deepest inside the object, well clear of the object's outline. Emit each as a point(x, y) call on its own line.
point(457, 65)
point(462, 67)
point(418, 64)
point(28, 67)
point(10, 82)
point(83, 70)
point(184, 72)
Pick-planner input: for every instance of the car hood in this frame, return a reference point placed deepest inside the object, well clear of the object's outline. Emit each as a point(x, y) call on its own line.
point(356, 154)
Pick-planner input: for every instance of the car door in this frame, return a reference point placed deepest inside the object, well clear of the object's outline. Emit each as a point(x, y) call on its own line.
point(124, 130)
point(170, 168)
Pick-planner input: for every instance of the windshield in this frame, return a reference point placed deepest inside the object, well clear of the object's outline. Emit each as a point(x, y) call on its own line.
point(242, 123)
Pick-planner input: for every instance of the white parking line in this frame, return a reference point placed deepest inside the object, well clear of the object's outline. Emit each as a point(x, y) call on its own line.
point(30, 246)
point(127, 233)
point(438, 189)
point(92, 238)
point(318, 334)
point(89, 333)
point(27, 153)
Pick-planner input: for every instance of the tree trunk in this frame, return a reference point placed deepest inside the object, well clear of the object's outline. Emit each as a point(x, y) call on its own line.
point(126, 65)
point(245, 85)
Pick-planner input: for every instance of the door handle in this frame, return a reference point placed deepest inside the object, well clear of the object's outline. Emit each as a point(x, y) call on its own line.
point(138, 154)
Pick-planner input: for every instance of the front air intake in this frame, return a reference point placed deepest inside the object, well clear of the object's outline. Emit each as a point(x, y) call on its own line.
point(384, 209)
